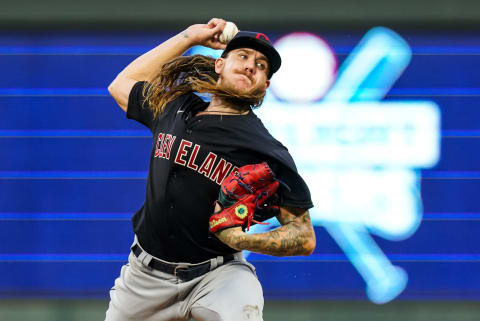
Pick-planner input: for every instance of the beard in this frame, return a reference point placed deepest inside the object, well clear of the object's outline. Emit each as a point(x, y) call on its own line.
point(240, 98)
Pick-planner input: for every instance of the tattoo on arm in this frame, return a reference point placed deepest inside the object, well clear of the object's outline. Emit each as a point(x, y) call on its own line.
point(294, 237)
point(185, 34)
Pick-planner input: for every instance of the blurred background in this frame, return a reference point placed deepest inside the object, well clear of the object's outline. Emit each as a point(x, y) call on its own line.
point(73, 168)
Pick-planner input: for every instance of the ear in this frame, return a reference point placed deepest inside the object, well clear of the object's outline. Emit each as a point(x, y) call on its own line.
point(219, 63)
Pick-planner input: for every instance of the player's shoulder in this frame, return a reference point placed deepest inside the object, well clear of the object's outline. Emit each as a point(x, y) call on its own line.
point(184, 103)
point(262, 134)
point(190, 98)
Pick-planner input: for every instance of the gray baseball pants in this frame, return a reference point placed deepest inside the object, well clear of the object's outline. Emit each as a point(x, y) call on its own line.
point(229, 292)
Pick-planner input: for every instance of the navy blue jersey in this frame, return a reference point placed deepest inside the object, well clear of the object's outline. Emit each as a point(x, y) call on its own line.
point(191, 155)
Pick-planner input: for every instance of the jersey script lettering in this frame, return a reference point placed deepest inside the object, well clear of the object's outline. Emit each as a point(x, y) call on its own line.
point(207, 165)
point(220, 171)
point(191, 161)
point(164, 145)
point(187, 156)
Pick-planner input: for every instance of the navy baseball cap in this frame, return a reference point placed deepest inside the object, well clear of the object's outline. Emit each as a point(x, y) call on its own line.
point(257, 41)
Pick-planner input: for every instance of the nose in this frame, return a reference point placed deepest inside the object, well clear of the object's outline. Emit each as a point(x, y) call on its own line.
point(250, 66)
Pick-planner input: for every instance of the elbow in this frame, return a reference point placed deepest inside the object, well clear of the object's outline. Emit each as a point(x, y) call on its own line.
point(117, 87)
point(120, 97)
point(112, 89)
point(309, 247)
point(310, 243)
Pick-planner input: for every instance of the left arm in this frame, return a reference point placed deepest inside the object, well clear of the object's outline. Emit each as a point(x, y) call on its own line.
point(294, 237)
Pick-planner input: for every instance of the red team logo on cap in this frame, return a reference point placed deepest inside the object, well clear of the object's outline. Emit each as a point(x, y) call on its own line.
point(262, 36)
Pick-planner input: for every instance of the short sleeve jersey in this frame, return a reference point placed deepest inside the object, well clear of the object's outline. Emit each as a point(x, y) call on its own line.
point(190, 157)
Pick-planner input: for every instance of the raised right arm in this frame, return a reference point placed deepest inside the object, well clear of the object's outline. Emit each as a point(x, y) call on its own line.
point(147, 65)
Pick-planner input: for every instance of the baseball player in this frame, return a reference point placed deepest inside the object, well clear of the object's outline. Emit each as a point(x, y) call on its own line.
point(214, 171)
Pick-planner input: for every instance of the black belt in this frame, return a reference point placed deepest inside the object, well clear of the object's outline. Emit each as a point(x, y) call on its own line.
point(183, 272)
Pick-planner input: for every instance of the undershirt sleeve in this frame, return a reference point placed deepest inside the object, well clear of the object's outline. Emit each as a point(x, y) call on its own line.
point(138, 108)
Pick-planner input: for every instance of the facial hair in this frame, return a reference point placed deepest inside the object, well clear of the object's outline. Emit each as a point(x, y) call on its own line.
point(241, 99)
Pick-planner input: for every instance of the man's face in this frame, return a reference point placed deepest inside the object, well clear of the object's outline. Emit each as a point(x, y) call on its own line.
point(243, 70)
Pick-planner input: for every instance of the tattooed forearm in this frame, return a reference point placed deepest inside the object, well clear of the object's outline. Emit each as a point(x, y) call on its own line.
point(295, 237)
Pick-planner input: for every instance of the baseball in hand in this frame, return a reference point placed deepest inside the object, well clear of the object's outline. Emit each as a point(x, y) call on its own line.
point(228, 33)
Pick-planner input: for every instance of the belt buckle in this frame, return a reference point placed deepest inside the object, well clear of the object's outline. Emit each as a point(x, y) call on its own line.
point(179, 267)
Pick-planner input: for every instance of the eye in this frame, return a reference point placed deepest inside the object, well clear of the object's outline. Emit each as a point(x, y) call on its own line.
point(242, 56)
point(261, 65)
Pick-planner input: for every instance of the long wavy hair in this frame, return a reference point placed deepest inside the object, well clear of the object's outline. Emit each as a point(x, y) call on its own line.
point(195, 73)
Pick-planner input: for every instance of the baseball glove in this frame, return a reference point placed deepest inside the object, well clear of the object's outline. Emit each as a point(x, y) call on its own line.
point(241, 194)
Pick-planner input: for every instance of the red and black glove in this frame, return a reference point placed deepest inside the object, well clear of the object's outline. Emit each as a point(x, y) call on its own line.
point(241, 194)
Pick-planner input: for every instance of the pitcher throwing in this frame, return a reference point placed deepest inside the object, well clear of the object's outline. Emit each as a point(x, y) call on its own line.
point(214, 171)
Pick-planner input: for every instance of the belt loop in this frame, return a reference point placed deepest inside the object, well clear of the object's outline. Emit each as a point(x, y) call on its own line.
point(145, 258)
point(216, 262)
point(142, 256)
point(213, 264)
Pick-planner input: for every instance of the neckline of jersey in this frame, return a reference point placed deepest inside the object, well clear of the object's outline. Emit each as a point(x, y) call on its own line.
point(225, 115)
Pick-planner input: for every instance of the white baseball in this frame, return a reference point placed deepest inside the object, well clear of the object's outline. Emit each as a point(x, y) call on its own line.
point(228, 33)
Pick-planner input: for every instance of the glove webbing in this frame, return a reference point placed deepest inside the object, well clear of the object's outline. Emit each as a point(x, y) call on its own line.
point(240, 179)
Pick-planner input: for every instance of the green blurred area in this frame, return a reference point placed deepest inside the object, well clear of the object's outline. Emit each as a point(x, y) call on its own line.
point(71, 310)
point(147, 14)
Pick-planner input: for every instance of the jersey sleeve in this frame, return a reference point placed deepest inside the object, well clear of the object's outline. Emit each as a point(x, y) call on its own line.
point(254, 144)
point(296, 192)
point(292, 192)
point(138, 108)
